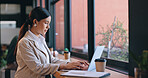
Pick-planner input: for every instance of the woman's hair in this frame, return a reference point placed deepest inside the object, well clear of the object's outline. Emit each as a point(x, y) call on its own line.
point(37, 13)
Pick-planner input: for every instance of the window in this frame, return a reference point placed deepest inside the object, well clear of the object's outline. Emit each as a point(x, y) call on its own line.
point(60, 25)
point(10, 8)
point(79, 26)
point(28, 9)
point(112, 16)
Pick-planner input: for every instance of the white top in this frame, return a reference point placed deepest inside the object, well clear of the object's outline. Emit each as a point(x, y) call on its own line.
point(41, 42)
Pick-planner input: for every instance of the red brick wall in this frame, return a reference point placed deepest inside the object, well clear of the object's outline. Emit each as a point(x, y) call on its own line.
point(105, 11)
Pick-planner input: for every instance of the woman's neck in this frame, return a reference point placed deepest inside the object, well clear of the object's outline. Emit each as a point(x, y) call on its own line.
point(34, 32)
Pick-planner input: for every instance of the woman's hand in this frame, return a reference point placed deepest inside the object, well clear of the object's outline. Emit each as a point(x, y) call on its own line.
point(71, 65)
point(84, 65)
point(81, 65)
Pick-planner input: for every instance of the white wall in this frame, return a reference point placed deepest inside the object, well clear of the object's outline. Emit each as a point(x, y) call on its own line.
point(7, 34)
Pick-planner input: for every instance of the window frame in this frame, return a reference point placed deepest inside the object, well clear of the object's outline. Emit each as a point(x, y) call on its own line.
point(119, 65)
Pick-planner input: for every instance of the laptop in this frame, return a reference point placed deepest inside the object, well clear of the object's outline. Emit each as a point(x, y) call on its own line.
point(97, 54)
point(91, 72)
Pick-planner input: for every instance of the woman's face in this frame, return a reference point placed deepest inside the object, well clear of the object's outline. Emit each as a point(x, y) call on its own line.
point(43, 25)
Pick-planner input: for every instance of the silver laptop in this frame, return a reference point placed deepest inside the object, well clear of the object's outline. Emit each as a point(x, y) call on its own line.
point(81, 73)
point(97, 54)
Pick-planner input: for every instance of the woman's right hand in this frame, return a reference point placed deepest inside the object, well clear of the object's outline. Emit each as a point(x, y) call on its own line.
point(71, 65)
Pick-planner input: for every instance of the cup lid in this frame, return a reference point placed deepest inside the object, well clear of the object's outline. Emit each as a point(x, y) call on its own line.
point(100, 60)
point(67, 52)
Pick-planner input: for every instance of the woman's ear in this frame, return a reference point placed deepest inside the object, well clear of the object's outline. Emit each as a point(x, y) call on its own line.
point(35, 21)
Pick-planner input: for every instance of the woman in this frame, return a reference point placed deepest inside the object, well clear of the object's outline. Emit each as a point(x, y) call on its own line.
point(32, 54)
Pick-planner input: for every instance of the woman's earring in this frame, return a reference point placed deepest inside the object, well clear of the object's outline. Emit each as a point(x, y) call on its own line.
point(35, 25)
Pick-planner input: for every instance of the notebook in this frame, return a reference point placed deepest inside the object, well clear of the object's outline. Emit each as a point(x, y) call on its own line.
point(85, 74)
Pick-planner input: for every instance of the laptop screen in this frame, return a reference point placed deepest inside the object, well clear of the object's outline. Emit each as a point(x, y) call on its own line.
point(97, 54)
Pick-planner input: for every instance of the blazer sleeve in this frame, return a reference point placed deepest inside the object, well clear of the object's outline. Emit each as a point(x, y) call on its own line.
point(58, 61)
point(32, 62)
point(55, 60)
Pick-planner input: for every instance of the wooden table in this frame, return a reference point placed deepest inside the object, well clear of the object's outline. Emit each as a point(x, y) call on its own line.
point(113, 74)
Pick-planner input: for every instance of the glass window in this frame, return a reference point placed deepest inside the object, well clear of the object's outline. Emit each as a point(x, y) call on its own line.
point(79, 26)
point(10, 8)
point(28, 9)
point(59, 25)
point(111, 28)
point(38, 2)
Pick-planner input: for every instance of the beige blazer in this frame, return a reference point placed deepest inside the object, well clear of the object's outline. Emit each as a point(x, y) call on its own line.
point(32, 61)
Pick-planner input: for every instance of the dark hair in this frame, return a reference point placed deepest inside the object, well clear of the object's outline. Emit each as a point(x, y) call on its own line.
point(37, 13)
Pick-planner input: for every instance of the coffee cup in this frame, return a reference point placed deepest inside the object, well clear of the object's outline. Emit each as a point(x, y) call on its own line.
point(100, 65)
point(67, 55)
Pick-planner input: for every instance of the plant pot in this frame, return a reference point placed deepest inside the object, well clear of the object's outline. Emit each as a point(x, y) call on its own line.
point(140, 74)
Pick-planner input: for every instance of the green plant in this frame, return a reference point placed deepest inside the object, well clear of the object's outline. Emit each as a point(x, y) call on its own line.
point(142, 60)
point(119, 38)
point(119, 42)
point(3, 61)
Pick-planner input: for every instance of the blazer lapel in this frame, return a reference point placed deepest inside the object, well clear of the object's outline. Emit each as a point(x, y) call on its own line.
point(27, 35)
point(48, 52)
point(38, 47)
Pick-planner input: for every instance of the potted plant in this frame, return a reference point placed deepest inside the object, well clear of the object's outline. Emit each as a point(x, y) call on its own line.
point(142, 62)
point(3, 61)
